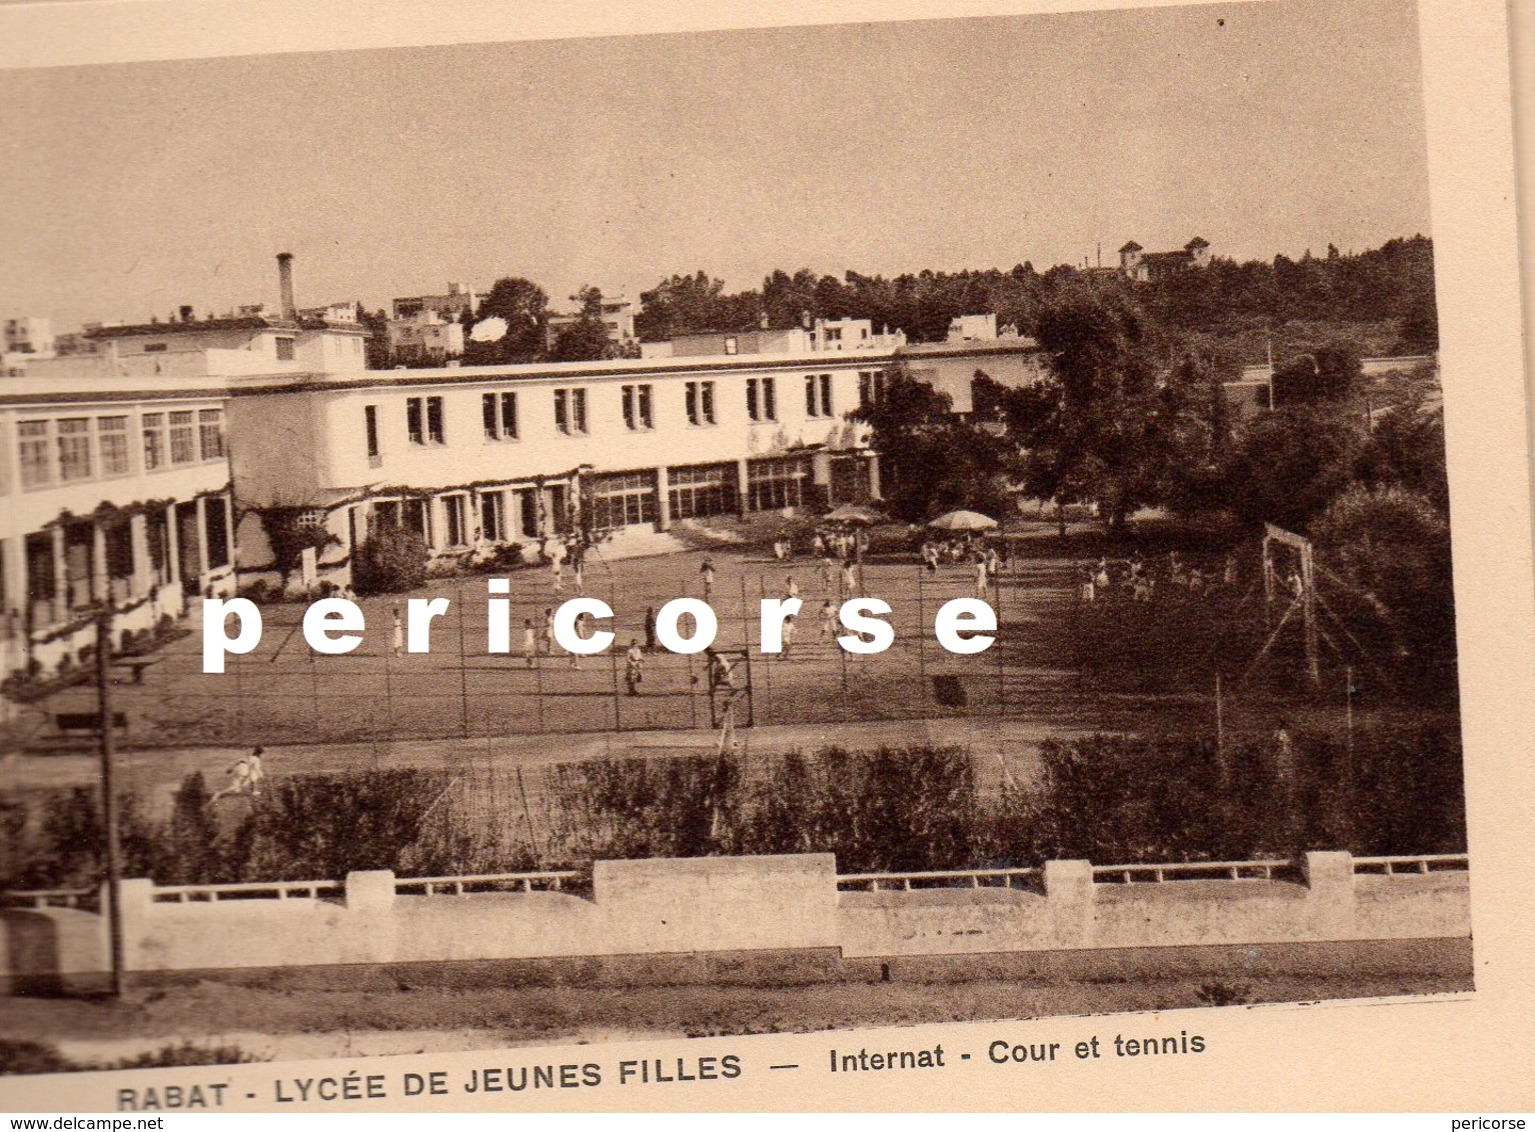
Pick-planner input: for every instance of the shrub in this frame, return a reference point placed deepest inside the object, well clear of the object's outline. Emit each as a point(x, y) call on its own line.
point(392, 560)
point(502, 560)
point(258, 591)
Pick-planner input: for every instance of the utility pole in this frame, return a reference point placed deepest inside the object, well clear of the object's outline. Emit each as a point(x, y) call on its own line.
point(109, 799)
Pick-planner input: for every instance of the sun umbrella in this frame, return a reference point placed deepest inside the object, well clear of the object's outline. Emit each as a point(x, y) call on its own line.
point(854, 514)
point(963, 521)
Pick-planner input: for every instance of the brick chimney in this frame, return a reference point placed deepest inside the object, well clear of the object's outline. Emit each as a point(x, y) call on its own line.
point(285, 285)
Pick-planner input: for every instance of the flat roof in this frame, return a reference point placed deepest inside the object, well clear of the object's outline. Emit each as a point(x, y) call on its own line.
point(64, 389)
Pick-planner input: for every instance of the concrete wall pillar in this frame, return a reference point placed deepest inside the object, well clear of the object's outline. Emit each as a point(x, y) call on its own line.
point(1069, 896)
point(135, 897)
point(172, 547)
point(229, 529)
point(142, 580)
point(202, 535)
point(101, 585)
point(1330, 895)
point(60, 575)
point(874, 492)
point(743, 491)
point(370, 891)
point(663, 499)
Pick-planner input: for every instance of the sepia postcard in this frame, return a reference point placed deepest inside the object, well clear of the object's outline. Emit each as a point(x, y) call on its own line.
point(920, 555)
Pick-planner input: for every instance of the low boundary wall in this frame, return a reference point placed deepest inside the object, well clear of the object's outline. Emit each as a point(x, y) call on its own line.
point(737, 904)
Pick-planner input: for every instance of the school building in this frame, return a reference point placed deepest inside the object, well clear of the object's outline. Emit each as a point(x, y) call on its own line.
point(180, 458)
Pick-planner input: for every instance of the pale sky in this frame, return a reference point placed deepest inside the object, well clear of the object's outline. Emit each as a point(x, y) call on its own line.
point(881, 148)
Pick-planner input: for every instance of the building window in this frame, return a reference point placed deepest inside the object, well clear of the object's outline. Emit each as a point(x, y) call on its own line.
point(414, 426)
point(79, 555)
point(453, 513)
point(183, 438)
point(732, 345)
point(818, 395)
point(42, 577)
point(774, 483)
point(834, 333)
point(216, 524)
point(493, 516)
point(704, 489)
point(761, 399)
point(118, 541)
point(74, 435)
point(210, 433)
point(153, 425)
point(157, 542)
point(112, 438)
point(622, 498)
point(499, 411)
point(637, 414)
point(36, 459)
point(570, 411)
point(415, 515)
point(871, 389)
point(154, 347)
point(434, 426)
point(700, 402)
point(284, 349)
point(370, 429)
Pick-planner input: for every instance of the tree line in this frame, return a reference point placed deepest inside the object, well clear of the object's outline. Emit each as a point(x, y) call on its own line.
point(1386, 292)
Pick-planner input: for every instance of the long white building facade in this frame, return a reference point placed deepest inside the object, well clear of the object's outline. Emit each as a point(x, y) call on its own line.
point(178, 460)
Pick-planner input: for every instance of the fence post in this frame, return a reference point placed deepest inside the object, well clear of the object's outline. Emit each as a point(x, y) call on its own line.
point(1070, 899)
point(1330, 895)
point(370, 891)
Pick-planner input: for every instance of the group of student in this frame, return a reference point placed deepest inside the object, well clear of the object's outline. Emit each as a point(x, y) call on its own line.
point(1134, 577)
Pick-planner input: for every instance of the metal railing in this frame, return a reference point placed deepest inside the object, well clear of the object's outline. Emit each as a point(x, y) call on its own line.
point(1403, 866)
point(49, 898)
point(1192, 870)
point(272, 890)
point(955, 878)
point(486, 882)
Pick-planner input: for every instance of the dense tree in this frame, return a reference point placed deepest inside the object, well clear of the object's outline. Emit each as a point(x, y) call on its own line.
point(1253, 303)
point(585, 339)
point(1100, 431)
point(1331, 373)
point(1406, 445)
point(524, 309)
point(1291, 463)
point(685, 304)
point(376, 349)
point(932, 461)
point(1388, 549)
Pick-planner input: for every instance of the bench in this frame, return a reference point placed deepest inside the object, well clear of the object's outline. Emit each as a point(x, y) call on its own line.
point(137, 664)
point(86, 722)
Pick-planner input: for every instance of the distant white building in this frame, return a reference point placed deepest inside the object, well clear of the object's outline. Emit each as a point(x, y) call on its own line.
point(459, 300)
point(115, 481)
point(1141, 266)
point(617, 320)
point(424, 337)
point(852, 334)
point(334, 313)
point(973, 328)
point(29, 335)
point(25, 339)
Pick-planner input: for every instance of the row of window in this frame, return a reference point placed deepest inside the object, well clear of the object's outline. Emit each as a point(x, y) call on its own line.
point(71, 449)
point(615, 499)
point(424, 416)
point(63, 573)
